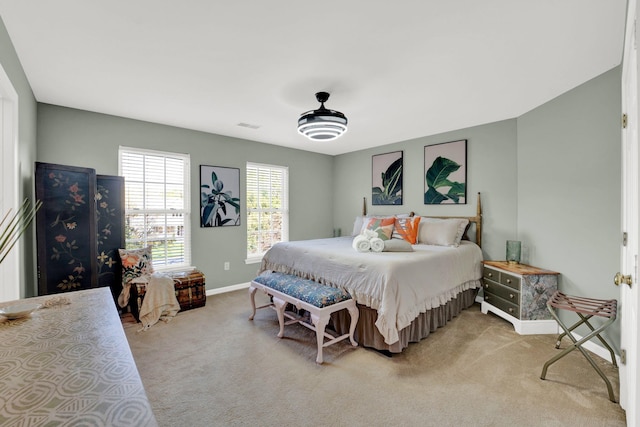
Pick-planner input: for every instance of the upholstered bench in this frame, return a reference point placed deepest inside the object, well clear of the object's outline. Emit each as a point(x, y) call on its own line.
point(319, 300)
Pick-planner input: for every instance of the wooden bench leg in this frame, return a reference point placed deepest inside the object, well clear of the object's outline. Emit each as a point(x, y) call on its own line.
point(354, 313)
point(252, 295)
point(280, 305)
point(320, 322)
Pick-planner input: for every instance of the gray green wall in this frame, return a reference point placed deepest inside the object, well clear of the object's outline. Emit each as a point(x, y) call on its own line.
point(26, 150)
point(569, 179)
point(80, 138)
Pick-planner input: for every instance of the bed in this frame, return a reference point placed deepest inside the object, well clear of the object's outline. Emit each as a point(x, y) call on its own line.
point(402, 296)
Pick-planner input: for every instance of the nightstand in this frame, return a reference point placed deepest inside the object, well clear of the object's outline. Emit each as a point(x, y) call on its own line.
point(519, 293)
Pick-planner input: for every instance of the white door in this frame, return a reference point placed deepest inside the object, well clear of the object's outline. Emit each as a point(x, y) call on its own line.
point(629, 293)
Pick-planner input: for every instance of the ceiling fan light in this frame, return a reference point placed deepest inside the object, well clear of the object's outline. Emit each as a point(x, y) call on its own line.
point(322, 124)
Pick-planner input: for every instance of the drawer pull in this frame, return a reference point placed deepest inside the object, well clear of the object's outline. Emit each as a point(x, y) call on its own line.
point(510, 310)
point(511, 296)
point(490, 274)
point(486, 286)
point(508, 280)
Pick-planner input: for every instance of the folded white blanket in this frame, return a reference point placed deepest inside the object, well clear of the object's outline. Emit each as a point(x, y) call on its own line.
point(159, 302)
point(377, 244)
point(361, 244)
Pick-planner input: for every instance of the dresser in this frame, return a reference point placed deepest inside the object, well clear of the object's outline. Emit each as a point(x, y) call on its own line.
point(519, 293)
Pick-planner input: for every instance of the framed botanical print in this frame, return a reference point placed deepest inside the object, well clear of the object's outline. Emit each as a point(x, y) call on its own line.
point(219, 196)
point(386, 178)
point(445, 173)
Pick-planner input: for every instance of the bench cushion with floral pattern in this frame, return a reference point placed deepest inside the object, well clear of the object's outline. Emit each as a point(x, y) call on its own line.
point(303, 289)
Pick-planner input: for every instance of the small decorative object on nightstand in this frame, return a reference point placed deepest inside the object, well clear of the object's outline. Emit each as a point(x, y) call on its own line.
point(519, 293)
point(513, 251)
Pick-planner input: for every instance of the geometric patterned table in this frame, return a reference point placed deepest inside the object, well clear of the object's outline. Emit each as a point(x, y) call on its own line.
point(70, 365)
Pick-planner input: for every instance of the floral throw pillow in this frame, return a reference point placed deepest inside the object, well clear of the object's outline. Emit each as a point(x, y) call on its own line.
point(382, 226)
point(135, 263)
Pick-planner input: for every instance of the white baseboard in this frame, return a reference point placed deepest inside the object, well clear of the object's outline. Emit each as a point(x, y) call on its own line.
point(597, 349)
point(226, 289)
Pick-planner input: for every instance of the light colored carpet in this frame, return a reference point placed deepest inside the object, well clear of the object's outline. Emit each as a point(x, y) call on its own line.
point(213, 367)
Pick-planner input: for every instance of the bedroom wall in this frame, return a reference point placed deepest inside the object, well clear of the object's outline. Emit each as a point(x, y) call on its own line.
point(82, 138)
point(569, 158)
point(491, 170)
point(26, 150)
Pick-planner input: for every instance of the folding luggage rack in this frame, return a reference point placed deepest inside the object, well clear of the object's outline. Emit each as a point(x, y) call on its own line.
point(585, 308)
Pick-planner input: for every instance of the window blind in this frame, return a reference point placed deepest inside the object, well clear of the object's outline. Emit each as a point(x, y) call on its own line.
point(157, 205)
point(267, 208)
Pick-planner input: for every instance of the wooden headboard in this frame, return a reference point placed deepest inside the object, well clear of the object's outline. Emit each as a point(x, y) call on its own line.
point(476, 220)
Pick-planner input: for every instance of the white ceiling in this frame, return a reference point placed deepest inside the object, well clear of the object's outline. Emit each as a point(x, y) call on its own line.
point(398, 70)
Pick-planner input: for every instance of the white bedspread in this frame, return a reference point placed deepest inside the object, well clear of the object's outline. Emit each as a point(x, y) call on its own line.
point(399, 285)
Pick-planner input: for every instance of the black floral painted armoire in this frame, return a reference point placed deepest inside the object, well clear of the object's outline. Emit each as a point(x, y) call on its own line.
point(79, 229)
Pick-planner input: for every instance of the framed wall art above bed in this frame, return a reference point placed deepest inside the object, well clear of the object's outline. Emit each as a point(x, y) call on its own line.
point(386, 178)
point(445, 173)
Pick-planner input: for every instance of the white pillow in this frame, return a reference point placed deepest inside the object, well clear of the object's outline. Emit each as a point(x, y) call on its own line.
point(357, 225)
point(441, 232)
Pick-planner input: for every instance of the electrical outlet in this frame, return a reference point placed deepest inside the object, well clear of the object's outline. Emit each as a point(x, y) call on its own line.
point(226, 265)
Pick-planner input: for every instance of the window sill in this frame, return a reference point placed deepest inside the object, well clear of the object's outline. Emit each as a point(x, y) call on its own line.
point(175, 269)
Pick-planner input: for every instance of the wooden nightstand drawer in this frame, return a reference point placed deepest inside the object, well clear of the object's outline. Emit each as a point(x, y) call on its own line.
point(502, 304)
point(510, 280)
point(491, 274)
point(504, 292)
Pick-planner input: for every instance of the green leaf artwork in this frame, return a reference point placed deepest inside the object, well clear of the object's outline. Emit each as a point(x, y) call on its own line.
point(437, 177)
point(217, 205)
point(391, 191)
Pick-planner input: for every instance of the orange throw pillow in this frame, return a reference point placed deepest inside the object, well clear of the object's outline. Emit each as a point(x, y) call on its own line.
point(407, 229)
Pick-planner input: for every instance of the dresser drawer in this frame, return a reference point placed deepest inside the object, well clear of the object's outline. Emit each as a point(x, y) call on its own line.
point(504, 292)
point(502, 304)
point(490, 274)
point(510, 280)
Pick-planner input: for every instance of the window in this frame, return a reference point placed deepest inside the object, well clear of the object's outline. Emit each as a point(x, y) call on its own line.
point(267, 208)
point(157, 207)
